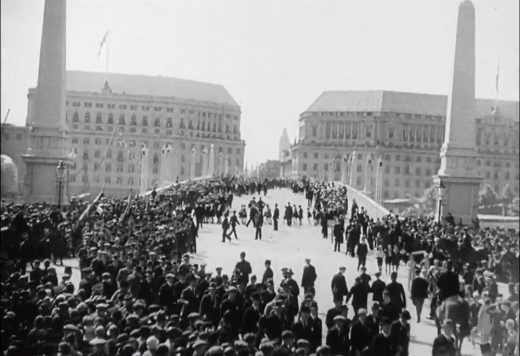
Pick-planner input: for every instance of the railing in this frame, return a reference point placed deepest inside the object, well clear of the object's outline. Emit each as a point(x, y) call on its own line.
point(374, 210)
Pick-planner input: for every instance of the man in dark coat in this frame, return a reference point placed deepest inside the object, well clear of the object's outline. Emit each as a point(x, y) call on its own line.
point(339, 285)
point(245, 269)
point(251, 316)
point(382, 344)
point(225, 227)
point(396, 291)
point(419, 292)
point(288, 214)
point(259, 222)
point(276, 216)
point(302, 329)
point(377, 288)
point(338, 235)
point(308, 277)
point(337, 337)
point(400, 334)
point(268, 273)
point(166, 294)
point(233, 222)
point(360, 334)
point(448, 283)
point(359, 293)
point(209, 307)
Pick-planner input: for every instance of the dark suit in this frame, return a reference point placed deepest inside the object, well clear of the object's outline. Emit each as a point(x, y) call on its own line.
point(378, 286)
point(397, 295)
point(250, 320)
point(339, 286)
point(308, 278)
point(360, 336)
point(400, 337)
point(209, 308)
point(276, 216)
point(338, 341)
point(268, 274)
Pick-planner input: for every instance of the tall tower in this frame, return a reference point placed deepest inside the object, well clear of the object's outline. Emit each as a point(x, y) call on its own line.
point(46, 113)
point(284, 144)
point(457, 180)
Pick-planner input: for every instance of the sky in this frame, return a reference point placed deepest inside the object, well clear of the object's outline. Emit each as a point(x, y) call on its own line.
point(275, 57)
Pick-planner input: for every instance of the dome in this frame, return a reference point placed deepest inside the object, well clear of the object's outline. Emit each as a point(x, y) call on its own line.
point(9, 181)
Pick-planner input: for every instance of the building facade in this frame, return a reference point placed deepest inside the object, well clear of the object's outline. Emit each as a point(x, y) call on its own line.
point(344, 135)
point(112, 119)
point(269, 169)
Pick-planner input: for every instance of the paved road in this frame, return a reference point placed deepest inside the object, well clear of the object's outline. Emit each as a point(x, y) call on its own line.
point(288, 248)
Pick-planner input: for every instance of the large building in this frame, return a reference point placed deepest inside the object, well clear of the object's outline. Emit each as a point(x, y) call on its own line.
point(112, 117)
point(405, 131)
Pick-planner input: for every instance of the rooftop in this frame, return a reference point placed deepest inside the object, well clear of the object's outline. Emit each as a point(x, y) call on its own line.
point(400, 102)
point(149, 86)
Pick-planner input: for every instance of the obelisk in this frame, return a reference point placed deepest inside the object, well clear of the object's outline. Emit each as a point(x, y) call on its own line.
point(457, 181)
point(46, 113)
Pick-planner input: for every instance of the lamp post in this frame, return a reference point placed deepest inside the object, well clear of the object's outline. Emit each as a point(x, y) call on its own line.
point(442, 190)
point(60, 175)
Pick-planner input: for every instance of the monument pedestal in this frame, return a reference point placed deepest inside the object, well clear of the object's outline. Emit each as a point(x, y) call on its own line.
point(41, 179)
point(460, 197)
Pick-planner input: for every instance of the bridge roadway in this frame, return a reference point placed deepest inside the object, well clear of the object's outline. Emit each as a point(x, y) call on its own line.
point(288, 248)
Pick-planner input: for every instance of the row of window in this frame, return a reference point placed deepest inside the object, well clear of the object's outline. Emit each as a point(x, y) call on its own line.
point(133, 143)
point(199, 125)
point(134, 107)
point(385, 114)
point(387, 157)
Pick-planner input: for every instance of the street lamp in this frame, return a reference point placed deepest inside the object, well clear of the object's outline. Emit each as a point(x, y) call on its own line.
point(442, 190)
point(60, 175)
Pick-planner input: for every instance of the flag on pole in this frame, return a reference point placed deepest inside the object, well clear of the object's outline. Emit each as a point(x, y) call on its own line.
point(103, 40)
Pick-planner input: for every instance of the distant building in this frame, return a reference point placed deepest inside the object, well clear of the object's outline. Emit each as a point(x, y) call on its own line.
point(406, 131)
point(129, 111)
point(269, 169)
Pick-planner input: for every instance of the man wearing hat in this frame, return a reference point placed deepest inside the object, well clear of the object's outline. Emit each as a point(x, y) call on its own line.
point(360, 334)
point(268, 273)
point(377, 288)
point(308, 277)
point(337, 337)
point(166, 293)
point(245, 269)
point(400, 333)
point(444, 344)
point(339, 285)
point(381, 344)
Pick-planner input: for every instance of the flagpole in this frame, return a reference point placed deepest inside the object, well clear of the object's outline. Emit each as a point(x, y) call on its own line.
point(107, 55)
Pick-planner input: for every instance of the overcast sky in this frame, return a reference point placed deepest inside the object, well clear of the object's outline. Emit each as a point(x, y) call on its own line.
point(274, 57)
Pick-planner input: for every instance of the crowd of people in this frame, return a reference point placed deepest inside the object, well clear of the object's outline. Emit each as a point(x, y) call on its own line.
point(140, 294)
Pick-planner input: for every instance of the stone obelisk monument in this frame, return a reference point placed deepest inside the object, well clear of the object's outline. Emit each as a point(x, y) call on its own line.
point(457, 181)
point(46, 113)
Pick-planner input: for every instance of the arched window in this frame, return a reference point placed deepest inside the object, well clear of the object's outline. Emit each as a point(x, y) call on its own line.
point(87, 117)
point(75, 117)
point(122, 120)
point(99, 119)
point(169, 122)
point(145, 121)
point(110, 119)
point(181, 125)
point(157, 122)
point(133, 120)
point(155, 158)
